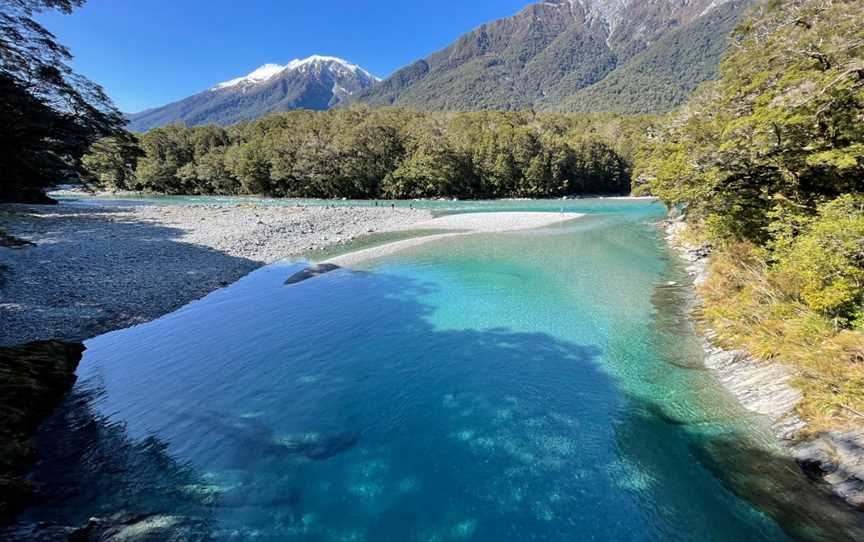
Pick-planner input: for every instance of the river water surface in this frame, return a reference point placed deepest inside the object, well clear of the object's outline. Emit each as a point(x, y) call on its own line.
point(537, 385)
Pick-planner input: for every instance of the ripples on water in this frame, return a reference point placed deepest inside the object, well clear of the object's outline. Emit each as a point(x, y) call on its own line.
point(488, 387)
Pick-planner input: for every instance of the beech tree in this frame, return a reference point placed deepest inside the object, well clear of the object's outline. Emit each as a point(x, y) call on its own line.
point(50, 115)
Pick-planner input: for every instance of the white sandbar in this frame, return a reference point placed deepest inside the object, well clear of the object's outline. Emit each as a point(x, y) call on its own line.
point(496, 222)
point(462, 224)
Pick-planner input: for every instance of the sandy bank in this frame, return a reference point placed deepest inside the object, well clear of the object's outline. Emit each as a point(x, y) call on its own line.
point(461, 224)
point(95, 269)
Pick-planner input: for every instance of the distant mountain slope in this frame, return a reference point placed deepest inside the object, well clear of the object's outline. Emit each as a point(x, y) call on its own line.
point(661, 77)
point(546, 54)
point(317, 82)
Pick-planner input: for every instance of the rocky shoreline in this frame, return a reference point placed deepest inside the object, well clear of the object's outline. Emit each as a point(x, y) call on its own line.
point(833, 458)
point(86, 270)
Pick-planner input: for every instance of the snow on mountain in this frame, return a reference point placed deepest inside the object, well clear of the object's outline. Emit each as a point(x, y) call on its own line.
point(317, 82)
point(262, 73)
point(314, 62)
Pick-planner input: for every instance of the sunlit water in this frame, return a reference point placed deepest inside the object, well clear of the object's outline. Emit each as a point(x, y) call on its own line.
point(540, 385)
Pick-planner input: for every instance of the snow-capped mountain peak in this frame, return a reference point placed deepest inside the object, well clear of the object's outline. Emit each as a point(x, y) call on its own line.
point(268, 71)
point(317, 83)
point(260, 74)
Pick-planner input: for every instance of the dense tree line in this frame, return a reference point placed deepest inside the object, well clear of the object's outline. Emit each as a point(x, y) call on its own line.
point(49, 114)
point(380, 153)
point(760, 155)
point(780, 132)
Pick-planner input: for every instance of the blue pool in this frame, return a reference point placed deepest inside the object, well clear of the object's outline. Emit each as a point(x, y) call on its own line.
point(539, 385)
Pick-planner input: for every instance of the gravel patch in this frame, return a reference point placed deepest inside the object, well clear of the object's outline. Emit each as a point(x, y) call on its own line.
point(96, 269)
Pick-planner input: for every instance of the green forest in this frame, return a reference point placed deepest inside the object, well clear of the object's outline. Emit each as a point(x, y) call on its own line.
point(767, 166)
point(392, 153)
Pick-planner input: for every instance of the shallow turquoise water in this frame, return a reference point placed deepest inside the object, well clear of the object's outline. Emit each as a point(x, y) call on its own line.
point(540, 385)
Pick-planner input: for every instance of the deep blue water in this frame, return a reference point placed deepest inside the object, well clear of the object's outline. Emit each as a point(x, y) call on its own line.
point(540, 385)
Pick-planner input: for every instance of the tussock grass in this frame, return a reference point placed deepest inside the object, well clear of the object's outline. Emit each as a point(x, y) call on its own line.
point(756, 309)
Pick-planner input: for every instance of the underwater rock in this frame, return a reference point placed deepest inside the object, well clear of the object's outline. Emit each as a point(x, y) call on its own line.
point(131, 527)
point(311, 272)
point(251, 435)
point(260, 495)
point(123, 526)
point(321, 447)
point(34, 378)
point(40, 532)
point(837, 458)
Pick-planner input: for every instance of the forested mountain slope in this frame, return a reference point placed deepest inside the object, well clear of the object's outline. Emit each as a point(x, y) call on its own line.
point(542, 58)
point(659, 78)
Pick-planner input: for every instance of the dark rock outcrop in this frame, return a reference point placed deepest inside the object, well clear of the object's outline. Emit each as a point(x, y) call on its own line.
point(33, 379)
point(836, 458)
point(311, 272)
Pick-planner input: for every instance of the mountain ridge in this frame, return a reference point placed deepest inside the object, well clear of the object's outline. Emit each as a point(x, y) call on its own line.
point(548, 52)
point(316, 82)
point(624, 56)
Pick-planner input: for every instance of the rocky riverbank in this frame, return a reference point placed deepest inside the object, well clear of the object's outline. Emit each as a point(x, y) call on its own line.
point(94, 269)
point(763, 387)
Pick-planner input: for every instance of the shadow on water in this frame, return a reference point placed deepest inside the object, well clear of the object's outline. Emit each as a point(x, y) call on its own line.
point(753, 467)
point(371, 327)
point(761, 475)
point(370, 336)
point(88, 462)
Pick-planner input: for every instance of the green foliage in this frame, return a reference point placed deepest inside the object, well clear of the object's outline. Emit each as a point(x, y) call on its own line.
point(824, 262)
point(782, 126)
point(385, 153)
point(111, 161)
point(756, 306)
point(768, 163)
point(49, 114)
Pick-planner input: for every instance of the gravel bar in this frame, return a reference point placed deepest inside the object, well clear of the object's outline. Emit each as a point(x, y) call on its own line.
point(96, 269)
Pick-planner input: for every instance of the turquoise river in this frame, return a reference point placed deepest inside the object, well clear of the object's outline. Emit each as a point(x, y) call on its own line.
point(537, 385)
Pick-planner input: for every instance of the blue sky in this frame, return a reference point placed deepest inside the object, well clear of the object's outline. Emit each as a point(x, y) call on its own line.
point(148, 53)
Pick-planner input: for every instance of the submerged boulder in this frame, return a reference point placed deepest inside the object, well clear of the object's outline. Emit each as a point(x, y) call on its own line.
point(319, 447)
point(311, 272)
point(124, 526)
point(33, 378)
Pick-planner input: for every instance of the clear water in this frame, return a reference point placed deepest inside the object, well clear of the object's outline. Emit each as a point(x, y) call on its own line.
point(540, 385)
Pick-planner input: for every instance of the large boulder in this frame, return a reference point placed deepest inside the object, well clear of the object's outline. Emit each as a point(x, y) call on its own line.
point(311, 272)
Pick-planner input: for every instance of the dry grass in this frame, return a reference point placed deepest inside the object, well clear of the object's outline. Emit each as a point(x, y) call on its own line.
point(751, 308)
